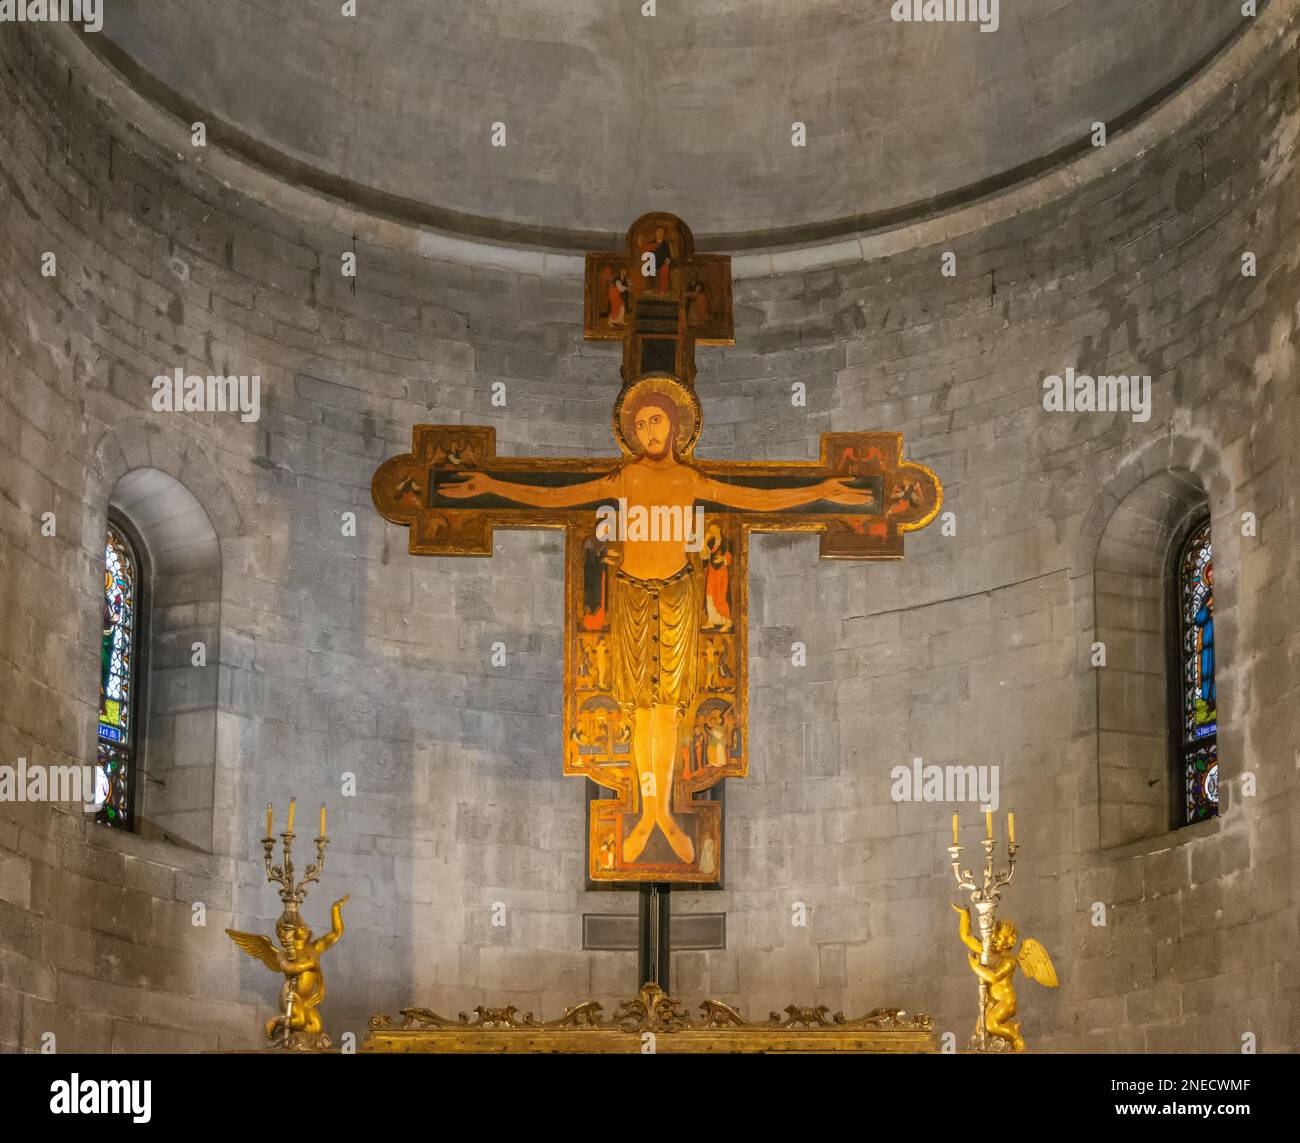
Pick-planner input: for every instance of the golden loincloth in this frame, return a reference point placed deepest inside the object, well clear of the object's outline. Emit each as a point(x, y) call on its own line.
point(654, 628)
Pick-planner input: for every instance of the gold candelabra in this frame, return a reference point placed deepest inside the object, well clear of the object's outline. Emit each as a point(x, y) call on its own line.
point(291, 892)
point(992, 955)
point(298, 1025)
point(985, 897)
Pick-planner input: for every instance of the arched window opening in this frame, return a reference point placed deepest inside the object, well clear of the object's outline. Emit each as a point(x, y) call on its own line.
point(1156, 718)
point(120, 672)
point(160, 603)
point(1196, 721)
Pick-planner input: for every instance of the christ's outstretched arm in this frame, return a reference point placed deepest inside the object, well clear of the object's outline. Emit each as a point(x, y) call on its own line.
point(567, 496)
point(834, 489)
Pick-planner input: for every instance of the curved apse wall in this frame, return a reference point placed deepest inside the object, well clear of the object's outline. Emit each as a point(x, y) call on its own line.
point(606, 112)
point(346, 654)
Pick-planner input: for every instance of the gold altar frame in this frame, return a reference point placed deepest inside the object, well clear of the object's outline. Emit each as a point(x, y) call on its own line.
point(651, 1023)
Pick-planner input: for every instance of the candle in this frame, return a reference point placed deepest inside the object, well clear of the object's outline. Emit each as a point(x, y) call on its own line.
point(954, 829)
point(988, 821)
point(322, 820)
point(1011, 828)
point(289, 827)
point(268, 819)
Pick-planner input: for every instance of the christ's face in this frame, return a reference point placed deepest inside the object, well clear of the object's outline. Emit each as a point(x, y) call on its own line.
point(653, 430)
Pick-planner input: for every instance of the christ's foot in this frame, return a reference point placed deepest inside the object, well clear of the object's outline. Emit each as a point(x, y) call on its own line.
point(634, 843)
point(681, 844)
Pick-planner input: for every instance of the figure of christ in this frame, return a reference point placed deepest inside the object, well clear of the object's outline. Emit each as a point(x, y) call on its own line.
point(663, 258)
point(656, 594)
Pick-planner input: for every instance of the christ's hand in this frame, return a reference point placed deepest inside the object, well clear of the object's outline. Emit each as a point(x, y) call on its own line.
point(837, 490)
point(475, 484)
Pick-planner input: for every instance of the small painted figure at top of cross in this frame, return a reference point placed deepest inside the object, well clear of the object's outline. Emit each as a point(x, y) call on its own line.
point(660, 298)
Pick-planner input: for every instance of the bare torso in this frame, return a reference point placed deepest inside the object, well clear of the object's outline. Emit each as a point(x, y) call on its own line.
point(650, 484)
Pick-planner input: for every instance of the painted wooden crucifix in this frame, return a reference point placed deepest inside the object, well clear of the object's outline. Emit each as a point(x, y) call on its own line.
point(657, 544)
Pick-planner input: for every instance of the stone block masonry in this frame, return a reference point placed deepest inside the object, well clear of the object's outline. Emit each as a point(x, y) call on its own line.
point(339, 654)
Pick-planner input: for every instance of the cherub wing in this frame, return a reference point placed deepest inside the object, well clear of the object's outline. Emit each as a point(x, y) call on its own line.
point(258, 947)
point(1036, 963)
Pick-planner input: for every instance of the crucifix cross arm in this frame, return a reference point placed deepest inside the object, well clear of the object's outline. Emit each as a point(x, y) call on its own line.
point(452, 490)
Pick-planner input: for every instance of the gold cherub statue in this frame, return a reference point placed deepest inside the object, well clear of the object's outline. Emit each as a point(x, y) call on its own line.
point(997, 984)
point(299, 1024)
point(304, 982)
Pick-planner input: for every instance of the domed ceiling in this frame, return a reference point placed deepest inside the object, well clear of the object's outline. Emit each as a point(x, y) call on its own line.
point(609, 113)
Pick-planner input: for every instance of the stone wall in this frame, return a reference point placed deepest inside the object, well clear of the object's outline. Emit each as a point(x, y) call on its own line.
point(342, 653)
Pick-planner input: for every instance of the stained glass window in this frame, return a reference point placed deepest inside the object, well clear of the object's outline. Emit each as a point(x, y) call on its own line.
point(117, 682)
point(1198, 721)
